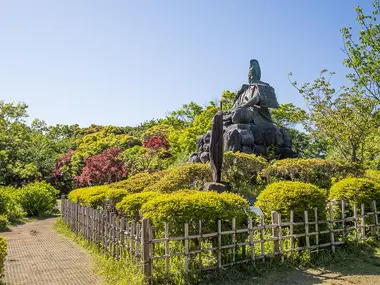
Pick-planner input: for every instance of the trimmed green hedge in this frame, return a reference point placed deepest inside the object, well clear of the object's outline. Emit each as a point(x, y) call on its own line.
point(313, 170)
point(190, 206)
point(138, 182)
point(355, 191)
point(38, 198)
point(3, 253)
point(290, 195)
point(131, 204)
point(188, 176)
point(373, 175)
point(240, 170)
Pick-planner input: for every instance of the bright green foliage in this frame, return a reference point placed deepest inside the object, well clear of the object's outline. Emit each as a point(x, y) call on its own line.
point(373, 175)
point(131, 204)
point(355, 191)
point(114, 196)
point(10, 205)
point(227, 100)
point(313, 170)
point(139, 181)
point(3, 222)
point(188, 176)
point(189, 206)
point(288, 115)
point(3, 253)
point(285, 196)
point(38, 198)
point(240, 170)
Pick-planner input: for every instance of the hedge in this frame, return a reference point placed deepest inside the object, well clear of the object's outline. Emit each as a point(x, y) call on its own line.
point(138, 182)
point(188, 176)
point(97, 196)
point(240, 170)
point(313, 170)
point(190, 206)
point(38, 198)
point(10, 205)
point(285, 196)
point(373, 175)
point(131, 204)
point(355, 191)
point(3, 253)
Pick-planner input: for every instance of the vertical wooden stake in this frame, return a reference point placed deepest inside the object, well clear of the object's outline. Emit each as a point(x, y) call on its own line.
point(234, 239)
point(187, 250)
point(276, 247)
point(343, 217)
point(316, 228)
point(307, 237)
point(363, 222)
point(356, 222)
point(219, 244)
point(167, 252)
point(146, 255)
point(332, 238)
point(251, 244)
point(291, 229)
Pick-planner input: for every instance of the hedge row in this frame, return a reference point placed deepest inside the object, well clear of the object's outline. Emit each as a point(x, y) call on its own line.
point(3, 253)
point(34, 199)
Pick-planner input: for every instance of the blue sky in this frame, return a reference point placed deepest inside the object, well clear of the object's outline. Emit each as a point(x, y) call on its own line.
point(124, 62)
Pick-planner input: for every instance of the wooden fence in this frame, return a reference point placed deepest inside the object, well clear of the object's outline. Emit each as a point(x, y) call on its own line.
point(199, 248)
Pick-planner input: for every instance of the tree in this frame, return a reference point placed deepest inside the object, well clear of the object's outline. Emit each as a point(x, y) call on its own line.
point(363, 55)
point(103, 168)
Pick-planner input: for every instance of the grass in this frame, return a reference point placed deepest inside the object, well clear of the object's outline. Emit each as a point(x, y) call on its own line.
point(113, 272)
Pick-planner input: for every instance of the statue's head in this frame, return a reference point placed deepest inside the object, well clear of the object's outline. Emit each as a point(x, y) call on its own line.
point(254, 73)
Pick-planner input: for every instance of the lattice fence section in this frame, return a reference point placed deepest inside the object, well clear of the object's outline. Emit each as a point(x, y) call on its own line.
point(202, 246)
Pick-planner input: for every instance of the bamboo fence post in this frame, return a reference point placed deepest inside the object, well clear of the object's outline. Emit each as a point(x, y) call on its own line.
point(121, 236)
point(186, 237)
point(362, 226)
point(356, 222)
point(262, 236)
point(307, 236)
point(281, 244)
point(291, 229)
point(375, 220)
point(137, 238)
point(146, 260)
point(343, 218)
point(316, 228)
point(275, 231)
point(251, 244)
point(167, 251)
point(332, 238)
point(219, 244)
point(234, 239)
point(200, 244)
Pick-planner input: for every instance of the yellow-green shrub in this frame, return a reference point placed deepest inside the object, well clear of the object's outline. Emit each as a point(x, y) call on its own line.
point(38, 198)
point(3, 253)
point(312, 170)
point(240, 170)
point(373, 175)
point(131, 204)
point(188, 176)
point(3, 222)
point(190, 206)
point(285, 196)
point(355, 191)
point(138, 182)
point(97, 196)
point(10, 205)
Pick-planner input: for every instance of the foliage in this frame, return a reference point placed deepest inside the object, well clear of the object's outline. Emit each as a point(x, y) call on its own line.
point(313, 170)
point(89, 196)
point(363, 54)
point(102, 168)
point(38, 198)
point(190, 206)
point(3, 222)
point(188, 176)
point(131, 204)
point(288, 115)
point(9, 204)
point(139, 181)
point(156, 143)
point(240, 170)
point(373, 175)
point(3, 253)
point(355, 191)
point(289, 195)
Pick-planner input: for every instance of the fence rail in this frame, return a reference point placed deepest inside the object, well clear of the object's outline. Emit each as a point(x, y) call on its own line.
point(156, 248)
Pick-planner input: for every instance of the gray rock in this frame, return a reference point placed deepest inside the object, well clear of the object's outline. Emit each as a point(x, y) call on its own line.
point(260, 149)
point(194, 158)
point(232, 140)
point(213, 186)
point(205, 157)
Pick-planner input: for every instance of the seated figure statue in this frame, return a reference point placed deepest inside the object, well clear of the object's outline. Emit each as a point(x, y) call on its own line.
point(253, 100)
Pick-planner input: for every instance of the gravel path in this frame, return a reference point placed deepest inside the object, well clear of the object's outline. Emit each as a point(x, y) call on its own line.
point(37, 255)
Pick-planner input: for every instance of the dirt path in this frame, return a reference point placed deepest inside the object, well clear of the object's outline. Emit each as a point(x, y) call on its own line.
point(37, 255)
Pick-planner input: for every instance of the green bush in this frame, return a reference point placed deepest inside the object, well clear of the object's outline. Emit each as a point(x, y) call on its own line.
point(3, 253)
point(3, 222)
point(290, 195)
point(355, 191)
point(312, 170)
point(131, 204)
point(373, 175)
point(190, 206)
point(38, 198)
point(240, 170)
point(97, 196)
point(188, 176)
point(138, 182)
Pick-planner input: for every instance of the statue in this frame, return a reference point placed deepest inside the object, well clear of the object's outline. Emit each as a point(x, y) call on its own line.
point(248, 126)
